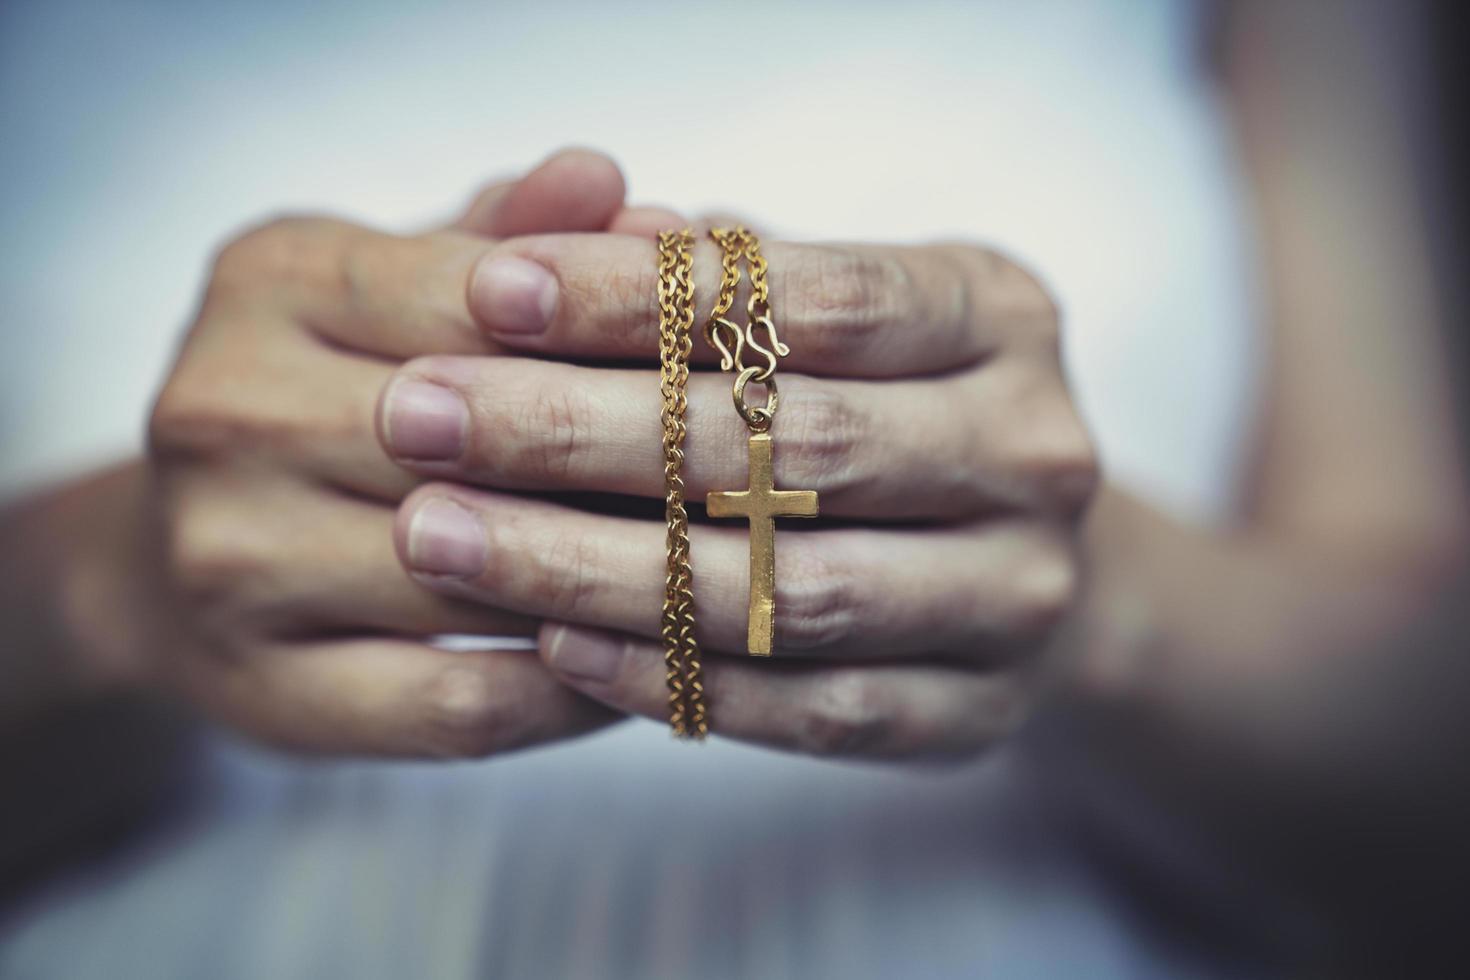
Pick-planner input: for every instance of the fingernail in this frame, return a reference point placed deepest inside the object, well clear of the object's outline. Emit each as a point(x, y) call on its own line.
point(446, 539)
point(511, 295)
point(586, 654)
point(423, 421)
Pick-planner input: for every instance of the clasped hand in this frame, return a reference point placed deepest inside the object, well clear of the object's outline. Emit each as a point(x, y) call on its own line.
point(471, 405)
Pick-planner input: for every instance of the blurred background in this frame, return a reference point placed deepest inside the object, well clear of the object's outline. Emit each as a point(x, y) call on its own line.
point(1090, 139)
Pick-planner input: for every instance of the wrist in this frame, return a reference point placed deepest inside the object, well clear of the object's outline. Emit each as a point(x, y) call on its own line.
point(76, 582)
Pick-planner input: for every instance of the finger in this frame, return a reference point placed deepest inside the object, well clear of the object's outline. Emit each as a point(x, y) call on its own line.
point(572, 190)
point(981, 592)
point(397, 698)
point(398, 296)
point(850, 311)
point(270, 554)
point(361, 290)
point(862, 311)
point(942, 447)
point(644, 222)
point(866, 711)
point(323, 429)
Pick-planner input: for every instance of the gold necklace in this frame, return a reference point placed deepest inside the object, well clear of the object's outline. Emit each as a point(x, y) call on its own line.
point(688, 717)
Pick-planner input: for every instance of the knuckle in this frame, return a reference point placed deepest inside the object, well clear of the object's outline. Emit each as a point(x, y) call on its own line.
point(188, 414)
point(505, 568)
point(170, 425)
point(284, 249)
point(470, 714)
point(195, 417)
point(993, 715)
point(212, 404)
point(846, 299)
point(262, 251)
point(624, 301)
point(361, 262)
point(818, 602)
point(829, 440)
point(845, 717)
point(210, 558)
point(558, 574)
point(238, 259)
point(1061, 467)
point(551, 439)
point(1004, 292)
point(568, 574)
point(1044, 590)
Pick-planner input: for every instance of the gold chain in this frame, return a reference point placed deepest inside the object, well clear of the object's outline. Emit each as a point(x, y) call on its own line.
point(688, 717)
point(732, 341)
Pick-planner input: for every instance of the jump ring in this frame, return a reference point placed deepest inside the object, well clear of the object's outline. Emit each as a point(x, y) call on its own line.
point(757, 417)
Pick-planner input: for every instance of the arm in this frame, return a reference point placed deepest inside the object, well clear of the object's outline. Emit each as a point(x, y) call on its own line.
point(83, 747)
point(77, 582)
point(1310, 655)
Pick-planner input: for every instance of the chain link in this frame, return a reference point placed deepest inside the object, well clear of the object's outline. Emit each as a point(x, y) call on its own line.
point(730, 340)
point(721, 334)
point(688, 716)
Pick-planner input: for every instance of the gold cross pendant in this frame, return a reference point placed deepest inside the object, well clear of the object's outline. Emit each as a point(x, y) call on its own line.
point(761, 504)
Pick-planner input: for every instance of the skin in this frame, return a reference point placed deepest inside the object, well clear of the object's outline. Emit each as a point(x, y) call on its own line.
point(275, 494)
point(1298, 669)
point(923, 399)
point(237, 580)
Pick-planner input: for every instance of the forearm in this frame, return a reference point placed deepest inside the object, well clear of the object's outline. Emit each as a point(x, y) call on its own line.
point(1251, 661)
point(85, 743)
point(77, 582)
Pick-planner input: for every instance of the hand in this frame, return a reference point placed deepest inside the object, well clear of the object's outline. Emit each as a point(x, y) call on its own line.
point(276, 503)
point(923, 399)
